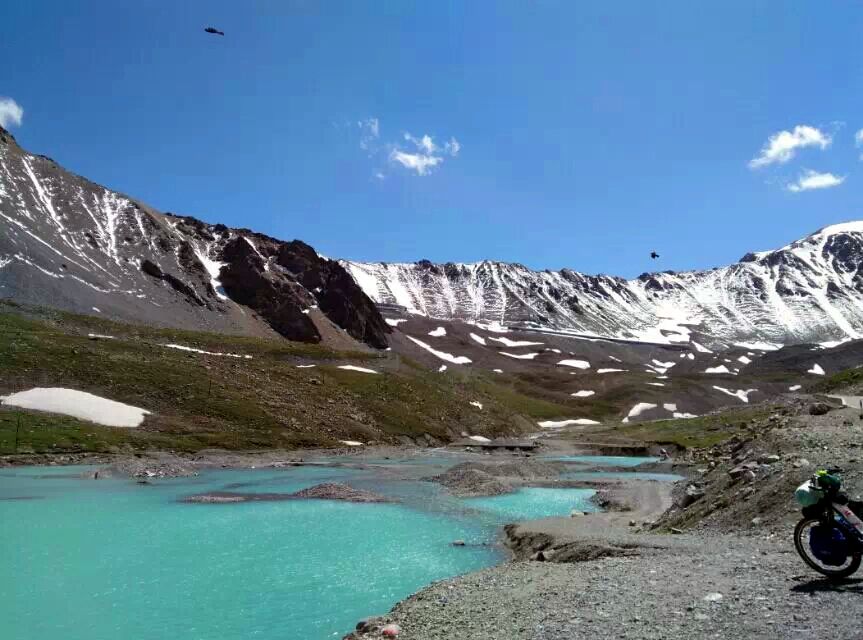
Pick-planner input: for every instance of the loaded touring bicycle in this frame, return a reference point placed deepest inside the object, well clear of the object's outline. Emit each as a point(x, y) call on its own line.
point(829, 538)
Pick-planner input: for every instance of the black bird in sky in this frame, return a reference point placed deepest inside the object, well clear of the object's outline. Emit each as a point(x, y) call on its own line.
point(214, 31)
point(654, 255)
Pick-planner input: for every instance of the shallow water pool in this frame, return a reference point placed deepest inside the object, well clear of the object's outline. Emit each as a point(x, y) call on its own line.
point(83, 559)
point(620, 475)
point(605, 461)
point(535, 502)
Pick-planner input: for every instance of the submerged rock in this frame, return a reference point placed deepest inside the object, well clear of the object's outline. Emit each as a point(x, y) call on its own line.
point(338, 491)
point(467, 479)
point(326, 491)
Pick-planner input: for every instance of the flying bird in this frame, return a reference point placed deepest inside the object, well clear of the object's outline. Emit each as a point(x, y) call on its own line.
point(214, 31)
point(654, 255)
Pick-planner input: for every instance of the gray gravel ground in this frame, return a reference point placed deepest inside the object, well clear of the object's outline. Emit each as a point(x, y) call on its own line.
point(766, 592)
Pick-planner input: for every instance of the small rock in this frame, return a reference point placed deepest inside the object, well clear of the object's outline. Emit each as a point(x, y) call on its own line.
point(713, 597)
point(676, 530)
point(633, 523)
point(575, 513)
point(802, 462)
point(770, 458)
point(539, 556)
point(749, 476)
point(391, 631)
point(756, 521)
point(458, 543)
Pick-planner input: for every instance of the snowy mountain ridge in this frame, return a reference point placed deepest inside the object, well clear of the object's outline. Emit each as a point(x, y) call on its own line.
point(808, 291)
point(71, 244)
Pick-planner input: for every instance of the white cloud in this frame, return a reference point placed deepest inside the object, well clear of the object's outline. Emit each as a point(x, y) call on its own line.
point(452, 147)
point(418, 154)
point(809, 180)
point(782, 146)
point(11, 113)
point(858, 138)
point(370, 130)
point(424, 144)
point(419, 162)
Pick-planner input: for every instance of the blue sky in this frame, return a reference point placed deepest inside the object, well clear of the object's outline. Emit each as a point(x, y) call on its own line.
point(580, 135)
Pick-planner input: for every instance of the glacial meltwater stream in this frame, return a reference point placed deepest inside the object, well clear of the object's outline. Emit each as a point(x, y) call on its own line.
point(84, 559)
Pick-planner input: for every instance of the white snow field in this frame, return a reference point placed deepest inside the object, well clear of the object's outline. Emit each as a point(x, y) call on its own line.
point(479, 438)
point(720, 369)
point(578, 364)
point(394, 322)
point(556, 424)
point(584, 393)
point(350, 367)
point(638, 409)
point(78, 404)
point(611, 370)
point(476, 404)
point(351, 443)
point(441, 354)
point(816, 369)
point(741, 394)
point(206, 353)
point(437, 333)
point(477, 339)
point(519, 356)
point(795, 387)
point(516, 343)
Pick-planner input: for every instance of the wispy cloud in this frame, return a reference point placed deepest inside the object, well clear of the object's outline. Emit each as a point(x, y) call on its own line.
point(370, 131)
point(783, 145)
point(421, 163)
point(11, 113)
point(420, 155)
point(427, 154)
point(809, 180)
point(858, 140)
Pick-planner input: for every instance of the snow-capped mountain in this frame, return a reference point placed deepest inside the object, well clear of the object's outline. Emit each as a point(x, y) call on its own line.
point(808, 291)
point(68, 243)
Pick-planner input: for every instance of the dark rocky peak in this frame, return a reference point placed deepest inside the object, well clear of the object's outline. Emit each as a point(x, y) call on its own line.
point(7, 138)
point(238, 249)
point(453, 270)
point(339, 297)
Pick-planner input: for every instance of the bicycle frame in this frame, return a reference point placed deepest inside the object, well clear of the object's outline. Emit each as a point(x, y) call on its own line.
point(849, 517)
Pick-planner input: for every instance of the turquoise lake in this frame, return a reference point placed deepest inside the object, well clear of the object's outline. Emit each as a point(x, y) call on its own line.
point(100, 560)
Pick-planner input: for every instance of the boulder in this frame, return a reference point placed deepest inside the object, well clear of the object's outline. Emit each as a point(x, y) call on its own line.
point(819, 408)
point(391, 631)
point(768, 458)
point(370, 625)
point(690, 495)
point(458, 543)
point(739, 470)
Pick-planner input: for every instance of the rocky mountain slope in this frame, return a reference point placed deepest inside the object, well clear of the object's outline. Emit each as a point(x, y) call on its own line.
point(68, 243)
point(808, 291)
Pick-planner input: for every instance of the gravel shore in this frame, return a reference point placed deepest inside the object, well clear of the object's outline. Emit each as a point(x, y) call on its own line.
point(700, 587)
